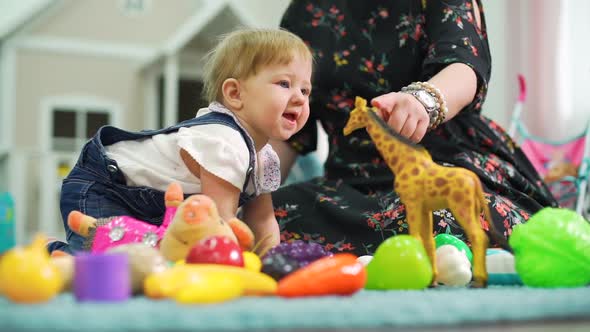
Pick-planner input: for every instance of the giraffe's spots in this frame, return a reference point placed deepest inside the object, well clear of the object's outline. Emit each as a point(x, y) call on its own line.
point(464, 214)
point(376, 137)
point(445, 191)
point(393, 160)
point(411, 159)
point(432, 172)
point(451, 173)
point(439, 182)
point(391, 148)
point(461, 182)
point(457, 196)
point(404, 177)
point(415, 171)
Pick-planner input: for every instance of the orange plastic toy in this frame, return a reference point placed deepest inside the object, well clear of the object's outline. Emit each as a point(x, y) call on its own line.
point(340, 274)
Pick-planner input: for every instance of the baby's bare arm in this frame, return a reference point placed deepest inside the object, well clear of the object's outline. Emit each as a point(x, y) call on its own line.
point(260, 217)
point(225, 195)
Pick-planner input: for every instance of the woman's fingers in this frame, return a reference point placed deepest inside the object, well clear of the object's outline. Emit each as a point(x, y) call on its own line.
point(403, 113)
point(384, 104)
point(397, 119)
point(409, 127)
point(420, 131)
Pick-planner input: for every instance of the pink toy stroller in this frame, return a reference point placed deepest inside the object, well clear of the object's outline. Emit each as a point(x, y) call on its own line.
point(565, 166)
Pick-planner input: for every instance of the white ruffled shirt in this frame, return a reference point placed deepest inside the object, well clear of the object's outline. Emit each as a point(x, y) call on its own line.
point(155, 162)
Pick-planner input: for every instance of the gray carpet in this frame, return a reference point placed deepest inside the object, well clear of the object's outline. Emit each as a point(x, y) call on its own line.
point(431, 308)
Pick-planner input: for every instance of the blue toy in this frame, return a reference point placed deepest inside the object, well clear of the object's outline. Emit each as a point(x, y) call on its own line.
point(7, 236)
point(500, 266)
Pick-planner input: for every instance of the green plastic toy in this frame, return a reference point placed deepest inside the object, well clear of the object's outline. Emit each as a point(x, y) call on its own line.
point(400, 262)
point(553, 249)
point(442, 239)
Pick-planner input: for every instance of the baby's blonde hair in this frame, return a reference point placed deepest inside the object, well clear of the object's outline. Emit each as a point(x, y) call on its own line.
point(242, 52)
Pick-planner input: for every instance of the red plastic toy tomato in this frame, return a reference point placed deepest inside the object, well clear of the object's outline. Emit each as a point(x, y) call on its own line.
point(216, 250)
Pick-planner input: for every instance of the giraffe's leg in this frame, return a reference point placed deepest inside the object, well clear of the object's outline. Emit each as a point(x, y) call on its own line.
point(428, 241)
point(468, 218)
point(420, 226)
point(413, 218)
point(479, 245)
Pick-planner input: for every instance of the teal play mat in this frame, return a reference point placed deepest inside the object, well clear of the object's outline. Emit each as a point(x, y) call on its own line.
point(367, 309)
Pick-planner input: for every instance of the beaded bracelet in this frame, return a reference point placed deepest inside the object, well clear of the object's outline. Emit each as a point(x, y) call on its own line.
point(431, 98)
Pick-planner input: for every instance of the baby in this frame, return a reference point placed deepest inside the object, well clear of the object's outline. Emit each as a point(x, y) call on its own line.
point(257, 83)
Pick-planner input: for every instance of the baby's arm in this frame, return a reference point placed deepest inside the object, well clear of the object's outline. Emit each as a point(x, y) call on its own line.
point(260, 217)
point(225, 195)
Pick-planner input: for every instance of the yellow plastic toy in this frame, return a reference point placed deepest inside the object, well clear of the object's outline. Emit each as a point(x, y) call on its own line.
point(424, 186)
point(211, 288)
point(180, 277)
point(27, 275)
point(252, 261)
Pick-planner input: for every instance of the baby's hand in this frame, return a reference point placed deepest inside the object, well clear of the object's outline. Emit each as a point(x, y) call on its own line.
point(268, 239)
point(403, 113)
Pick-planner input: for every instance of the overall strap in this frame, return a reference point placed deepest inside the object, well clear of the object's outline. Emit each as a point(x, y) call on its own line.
point(227, 120)
point(108, 135)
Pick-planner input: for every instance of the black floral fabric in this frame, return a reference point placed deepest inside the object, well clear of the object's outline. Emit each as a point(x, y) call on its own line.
point(369, 48)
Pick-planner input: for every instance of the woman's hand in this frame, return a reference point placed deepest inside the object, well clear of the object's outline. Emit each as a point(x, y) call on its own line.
point(404, 114)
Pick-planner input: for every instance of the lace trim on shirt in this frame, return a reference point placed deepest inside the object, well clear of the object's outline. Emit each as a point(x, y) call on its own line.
point(271, 179)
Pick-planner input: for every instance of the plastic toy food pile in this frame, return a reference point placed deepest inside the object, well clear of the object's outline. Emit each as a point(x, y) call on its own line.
point(551, 250)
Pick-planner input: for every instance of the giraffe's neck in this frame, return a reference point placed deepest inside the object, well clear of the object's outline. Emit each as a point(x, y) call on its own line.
point(393, 151)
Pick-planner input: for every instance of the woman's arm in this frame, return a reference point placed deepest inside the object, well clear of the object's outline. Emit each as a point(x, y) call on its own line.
point(287, 156)
point(259, 215)
point(407, 116)
point(457, 83)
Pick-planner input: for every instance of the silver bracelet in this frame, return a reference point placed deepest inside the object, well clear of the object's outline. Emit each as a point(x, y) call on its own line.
point(432, 100)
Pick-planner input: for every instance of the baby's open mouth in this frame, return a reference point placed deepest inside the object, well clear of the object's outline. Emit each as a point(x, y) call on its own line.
point(290, 116)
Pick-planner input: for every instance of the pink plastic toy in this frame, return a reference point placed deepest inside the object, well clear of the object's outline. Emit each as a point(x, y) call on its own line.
point(105, 233)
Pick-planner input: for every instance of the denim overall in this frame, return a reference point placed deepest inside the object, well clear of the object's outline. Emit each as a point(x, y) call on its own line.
point(97, 187)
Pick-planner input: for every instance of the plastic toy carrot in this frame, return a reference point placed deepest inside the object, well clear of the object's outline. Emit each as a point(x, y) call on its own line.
point(340, 274)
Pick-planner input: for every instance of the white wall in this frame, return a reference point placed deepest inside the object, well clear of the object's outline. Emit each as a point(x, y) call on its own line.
point(545, 41)
point(498, 104)
point(265, 13)
point(575, 78)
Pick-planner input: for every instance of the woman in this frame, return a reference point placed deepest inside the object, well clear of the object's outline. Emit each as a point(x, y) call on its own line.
point(373, 49)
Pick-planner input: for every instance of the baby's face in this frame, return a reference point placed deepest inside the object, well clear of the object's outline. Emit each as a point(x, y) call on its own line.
point(276, 99)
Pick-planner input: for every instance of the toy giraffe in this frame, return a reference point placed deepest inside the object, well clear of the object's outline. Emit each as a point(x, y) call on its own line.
point(424, 186)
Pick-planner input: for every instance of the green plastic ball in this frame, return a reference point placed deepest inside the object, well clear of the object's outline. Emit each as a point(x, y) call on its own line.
point(553, 249)
point(400, 262)
point(442, 239)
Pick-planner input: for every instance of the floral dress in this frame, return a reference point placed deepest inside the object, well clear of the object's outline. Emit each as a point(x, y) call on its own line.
point(369, 48)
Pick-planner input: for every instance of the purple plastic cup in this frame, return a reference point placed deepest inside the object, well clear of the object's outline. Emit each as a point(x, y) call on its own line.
point(101, 277)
